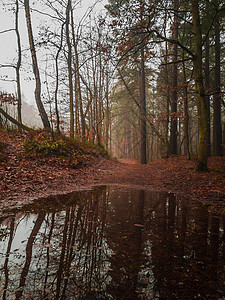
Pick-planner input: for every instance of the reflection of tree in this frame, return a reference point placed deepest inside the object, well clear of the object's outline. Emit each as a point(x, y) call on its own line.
point(12, 225)
point(48, 254)
point(114, 244)
point(80, 272)
point(185, 251)
point(163, 246)
point(29, 248)
point(124, 235)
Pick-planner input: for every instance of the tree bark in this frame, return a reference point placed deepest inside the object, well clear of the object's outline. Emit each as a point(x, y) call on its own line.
point(143, 110)
point(107, 126)
point(186, 114)
point(207, 87)
point(199, 89)
point(77, 79)
point(57, 82)
point(40, 106)
point(217, 127)
point(19, 104)
point(173, 130)
point(69, 65)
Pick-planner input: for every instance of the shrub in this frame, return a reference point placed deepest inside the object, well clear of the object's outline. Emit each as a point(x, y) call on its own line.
point(42, 145)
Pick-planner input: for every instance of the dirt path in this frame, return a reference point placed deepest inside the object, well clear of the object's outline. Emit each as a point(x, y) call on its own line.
point(23, 179)
point(176, 175)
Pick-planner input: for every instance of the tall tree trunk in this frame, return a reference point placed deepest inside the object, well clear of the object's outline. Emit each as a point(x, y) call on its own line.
point(77, 79)
point(199, 89)
point(40, 106)
point(57, 81)
point(167, 103)
point(19, 105)
point(143, 109)
point(69, 65)
point(173, 130)
point(217, 128)
point(107, 125)
point(186, 114)
point(207, 87)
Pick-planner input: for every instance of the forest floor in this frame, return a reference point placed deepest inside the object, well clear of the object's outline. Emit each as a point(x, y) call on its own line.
point(23, 179)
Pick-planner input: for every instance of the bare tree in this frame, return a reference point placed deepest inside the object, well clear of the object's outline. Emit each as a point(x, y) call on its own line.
point(40, 105)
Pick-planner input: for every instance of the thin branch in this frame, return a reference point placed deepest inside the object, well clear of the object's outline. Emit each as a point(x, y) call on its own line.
point(7, 30)
point(7, 66)
point(176, 62)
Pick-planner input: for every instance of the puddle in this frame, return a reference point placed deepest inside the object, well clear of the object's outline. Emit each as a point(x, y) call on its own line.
point(112, 243)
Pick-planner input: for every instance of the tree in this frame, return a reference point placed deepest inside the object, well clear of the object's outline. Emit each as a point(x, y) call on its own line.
point(143, 130)
point(39, 103)
point(173, 130)
point(69, 65)
point(18, 66)
point(199, 88)
point(217, 128)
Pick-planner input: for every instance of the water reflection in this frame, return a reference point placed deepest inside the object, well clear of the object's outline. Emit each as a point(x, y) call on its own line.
point(112, 243)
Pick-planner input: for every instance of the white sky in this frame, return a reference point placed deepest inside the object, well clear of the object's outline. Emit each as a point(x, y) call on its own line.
point(8, 49)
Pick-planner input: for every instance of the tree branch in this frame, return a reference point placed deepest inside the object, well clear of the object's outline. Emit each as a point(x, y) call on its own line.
point(7, 30)
point(172, 41)
point(14, 121)
point(176, 62)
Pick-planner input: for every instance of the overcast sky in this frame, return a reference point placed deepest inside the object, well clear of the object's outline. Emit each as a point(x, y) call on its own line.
point(8, 49)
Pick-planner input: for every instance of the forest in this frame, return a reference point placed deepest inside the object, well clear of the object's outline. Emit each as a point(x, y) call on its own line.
point(112, 143)
point(144, 79)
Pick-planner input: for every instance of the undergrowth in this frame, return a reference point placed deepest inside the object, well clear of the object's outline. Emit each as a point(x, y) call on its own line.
point(43, 144)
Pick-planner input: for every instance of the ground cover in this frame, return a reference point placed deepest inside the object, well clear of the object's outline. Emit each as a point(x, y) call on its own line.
point(25, 176)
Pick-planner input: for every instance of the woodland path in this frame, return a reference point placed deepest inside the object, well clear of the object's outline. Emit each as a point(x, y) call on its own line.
point(23, 180)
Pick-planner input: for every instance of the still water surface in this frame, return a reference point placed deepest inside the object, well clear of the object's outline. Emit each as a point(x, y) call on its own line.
point(112, 243)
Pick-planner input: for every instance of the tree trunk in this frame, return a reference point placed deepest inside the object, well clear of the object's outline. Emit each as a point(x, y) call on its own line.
point(19, 105)
point(107, 126)
point(186, 114)
point(77, 79)
point(40, 106)
point(14, 121)
point(217, 128)
point(143, 109)
point(173, 130)
point(167, 95)
point(207, 88)
point(57, 82)
point(69, 65)
point(199, 89)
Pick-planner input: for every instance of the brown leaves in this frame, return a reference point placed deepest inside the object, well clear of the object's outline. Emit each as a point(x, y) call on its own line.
point(7, 98)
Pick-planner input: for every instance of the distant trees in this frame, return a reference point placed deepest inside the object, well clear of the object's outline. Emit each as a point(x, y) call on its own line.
point(190, 30)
